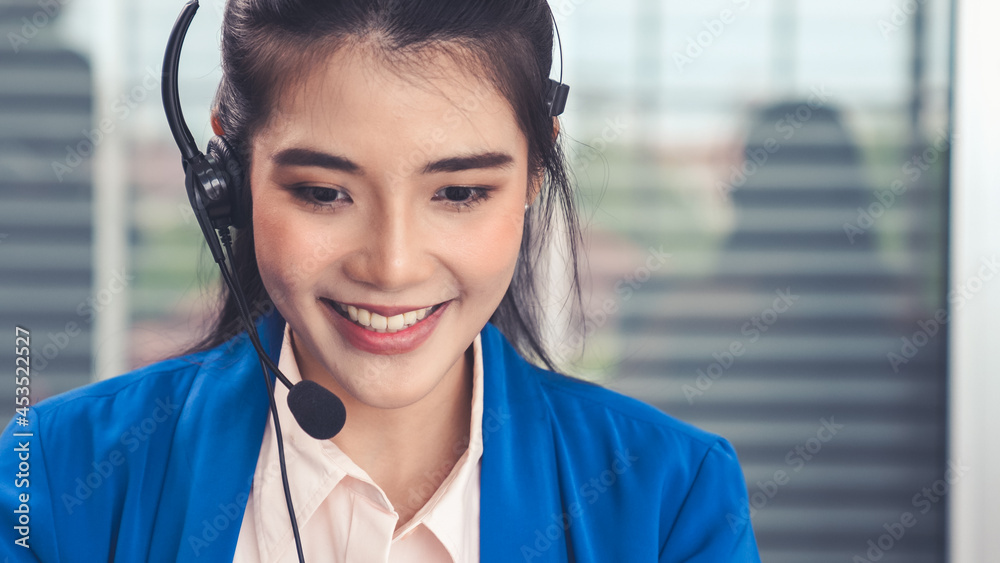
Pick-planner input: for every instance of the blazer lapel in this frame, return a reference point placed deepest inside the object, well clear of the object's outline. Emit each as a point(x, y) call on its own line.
point(218, 439)
point(214, 452)
point(521, 510)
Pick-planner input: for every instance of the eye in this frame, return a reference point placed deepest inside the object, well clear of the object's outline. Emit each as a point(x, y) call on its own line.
point(463, 196)
point(319, 196)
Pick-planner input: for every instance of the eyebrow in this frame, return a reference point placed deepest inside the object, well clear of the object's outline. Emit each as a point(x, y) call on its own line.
point(470, 162)
point(309, 157)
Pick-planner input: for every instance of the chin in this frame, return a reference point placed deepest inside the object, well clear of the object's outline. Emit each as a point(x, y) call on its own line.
point(392, 386)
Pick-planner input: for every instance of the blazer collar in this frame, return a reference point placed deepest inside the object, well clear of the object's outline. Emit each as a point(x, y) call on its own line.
point(521, 507)
point(218, 445)
point(521, 510)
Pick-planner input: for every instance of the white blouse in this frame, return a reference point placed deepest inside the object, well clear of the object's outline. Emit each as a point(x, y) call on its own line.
point(343, 516)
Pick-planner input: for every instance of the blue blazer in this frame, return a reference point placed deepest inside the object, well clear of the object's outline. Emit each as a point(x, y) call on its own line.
point(156, 465)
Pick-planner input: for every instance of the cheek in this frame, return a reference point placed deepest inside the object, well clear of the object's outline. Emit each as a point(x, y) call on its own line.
point(268, 234)
point(283, 257)
point(489, 251)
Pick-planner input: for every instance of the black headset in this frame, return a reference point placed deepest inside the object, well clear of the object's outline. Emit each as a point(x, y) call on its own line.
point(215, 183)
point(215, 180)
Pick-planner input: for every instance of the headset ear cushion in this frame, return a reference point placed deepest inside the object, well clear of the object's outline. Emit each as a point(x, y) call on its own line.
point(223, 154)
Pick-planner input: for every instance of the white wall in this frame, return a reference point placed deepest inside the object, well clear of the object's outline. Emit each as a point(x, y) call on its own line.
point(975, 338)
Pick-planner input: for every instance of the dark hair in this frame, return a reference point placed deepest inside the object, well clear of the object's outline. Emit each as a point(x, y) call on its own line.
point(266, 44)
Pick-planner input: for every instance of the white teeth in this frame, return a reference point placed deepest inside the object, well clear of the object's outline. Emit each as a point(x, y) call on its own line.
point(364, 317)
point(378, 323)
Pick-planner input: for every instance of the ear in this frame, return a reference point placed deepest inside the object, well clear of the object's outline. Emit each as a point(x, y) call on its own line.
point(535, 186)
point(535, 183)
point(217, 125)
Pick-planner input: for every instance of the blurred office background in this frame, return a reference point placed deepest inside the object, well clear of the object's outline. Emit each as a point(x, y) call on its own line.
point(765, 186)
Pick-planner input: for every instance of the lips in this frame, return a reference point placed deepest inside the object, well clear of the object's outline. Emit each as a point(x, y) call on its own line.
point(374, 341)
point(382, 322)
point(385, 311)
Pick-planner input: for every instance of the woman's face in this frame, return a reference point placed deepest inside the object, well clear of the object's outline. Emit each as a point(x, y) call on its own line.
point(387, 195)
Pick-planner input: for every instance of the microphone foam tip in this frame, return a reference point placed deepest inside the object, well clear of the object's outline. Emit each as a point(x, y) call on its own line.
point(318, 411)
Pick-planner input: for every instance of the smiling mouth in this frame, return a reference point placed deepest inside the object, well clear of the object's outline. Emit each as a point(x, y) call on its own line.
point(378, 323)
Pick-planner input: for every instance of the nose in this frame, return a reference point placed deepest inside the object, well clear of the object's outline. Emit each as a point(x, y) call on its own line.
point(394, 253)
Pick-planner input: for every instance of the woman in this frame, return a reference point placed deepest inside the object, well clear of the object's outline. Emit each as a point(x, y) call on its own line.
point(402, 175)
